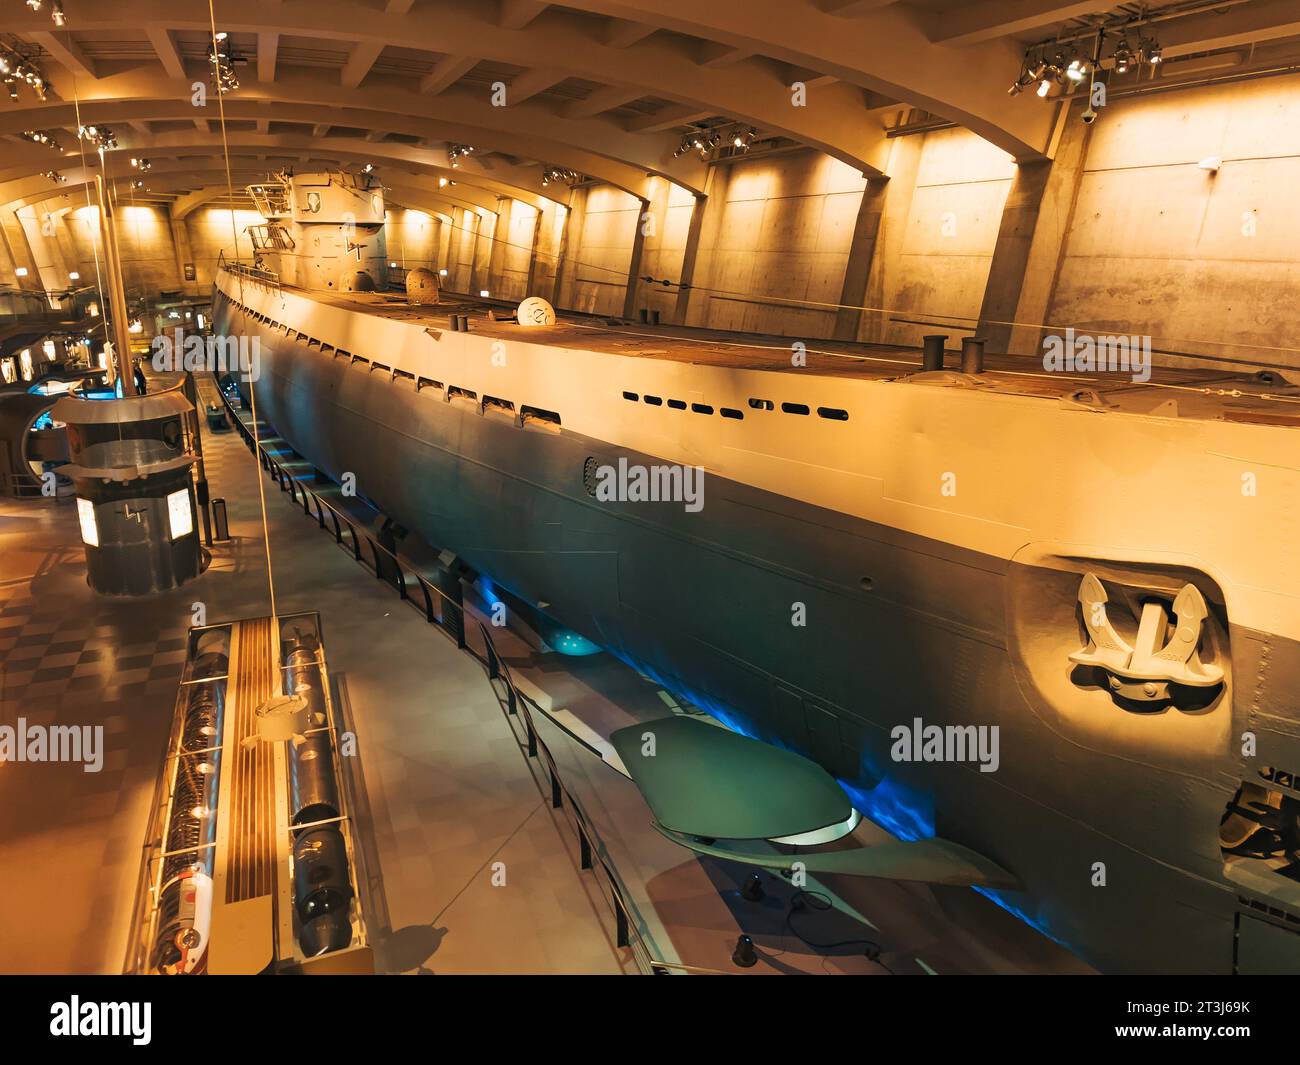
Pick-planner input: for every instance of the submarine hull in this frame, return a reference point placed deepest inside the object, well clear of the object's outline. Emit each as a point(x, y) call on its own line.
point(907, 628)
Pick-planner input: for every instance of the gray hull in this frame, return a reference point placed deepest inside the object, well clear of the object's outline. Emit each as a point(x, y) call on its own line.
point(898, 627)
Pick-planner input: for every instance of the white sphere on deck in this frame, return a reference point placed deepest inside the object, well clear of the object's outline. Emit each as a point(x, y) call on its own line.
point(535, 311)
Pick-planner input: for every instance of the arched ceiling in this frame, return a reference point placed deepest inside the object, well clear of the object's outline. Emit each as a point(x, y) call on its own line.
point(604, 88)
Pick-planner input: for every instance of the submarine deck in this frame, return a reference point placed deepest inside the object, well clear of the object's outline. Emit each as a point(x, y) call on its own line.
point(1210, 392)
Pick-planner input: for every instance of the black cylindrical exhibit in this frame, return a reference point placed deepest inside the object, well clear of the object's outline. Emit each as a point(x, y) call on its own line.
point(131, 469)
point(220, 522)
point(322, 891)
point(972, 355)
point(932, 352)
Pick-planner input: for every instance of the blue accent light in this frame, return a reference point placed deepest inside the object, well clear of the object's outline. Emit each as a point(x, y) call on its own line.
point(904, 812)
point(567, 642)
point(1039, 924)
point(901, 811)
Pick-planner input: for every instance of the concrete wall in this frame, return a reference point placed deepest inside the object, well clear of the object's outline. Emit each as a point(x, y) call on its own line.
point(783, 228)
point(595, 277)
point(413, 239)
point(1133, 237)
point(942, 212)
point(1203, 262)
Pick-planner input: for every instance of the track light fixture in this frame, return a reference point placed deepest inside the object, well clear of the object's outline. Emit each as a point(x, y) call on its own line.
point(558, 175)
point(707, 140)
point(101, 138)
point(142, 165)
point(222, 59)
point(17, 69)
point(1044, 65)
point(42, 136)
point(55, 176)
point(457, 152)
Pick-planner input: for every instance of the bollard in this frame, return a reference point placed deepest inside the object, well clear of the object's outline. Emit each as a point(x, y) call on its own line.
point(972, 355)
point(932, 352)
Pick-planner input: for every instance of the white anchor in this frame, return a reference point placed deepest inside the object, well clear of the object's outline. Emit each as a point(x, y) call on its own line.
point(1145, 670)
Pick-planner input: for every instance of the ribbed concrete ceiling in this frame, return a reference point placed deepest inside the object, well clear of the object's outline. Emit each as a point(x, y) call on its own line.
point(602, 88)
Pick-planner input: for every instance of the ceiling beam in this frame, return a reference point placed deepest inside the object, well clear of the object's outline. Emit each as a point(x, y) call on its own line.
point(668, 118)
point(852, 8)
point(360, 60)
point(623, 34)
point(445, 73)
point(723, 55)
point(516, 14)
point(601, 100)
point(531, 82)
point(1262, 20)
point(164, 45)
point(66, 52)
point(268, 48)
point(987, 20)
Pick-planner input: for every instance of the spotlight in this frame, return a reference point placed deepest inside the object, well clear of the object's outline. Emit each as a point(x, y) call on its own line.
point(1123, 57)
point(744, 954)
point(369, 168)
point(1077, 70)
point(752, 891)
point(101, 137)
point(56, 13)
point(1044, 87)
point(41, 136)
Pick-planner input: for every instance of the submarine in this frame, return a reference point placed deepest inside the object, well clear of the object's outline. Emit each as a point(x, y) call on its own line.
point(887, 565)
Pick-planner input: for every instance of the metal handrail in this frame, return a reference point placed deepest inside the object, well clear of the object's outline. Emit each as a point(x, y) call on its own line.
point(255, 273)
point(592, 851)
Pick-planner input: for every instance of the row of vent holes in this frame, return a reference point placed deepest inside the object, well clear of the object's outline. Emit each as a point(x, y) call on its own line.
point(422, 383)
point(835, 414)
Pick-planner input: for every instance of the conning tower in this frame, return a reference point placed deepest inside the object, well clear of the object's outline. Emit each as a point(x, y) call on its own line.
point(323, 232)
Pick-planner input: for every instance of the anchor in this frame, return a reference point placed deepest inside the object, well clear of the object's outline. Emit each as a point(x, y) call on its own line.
point(1143, 671)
